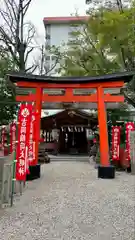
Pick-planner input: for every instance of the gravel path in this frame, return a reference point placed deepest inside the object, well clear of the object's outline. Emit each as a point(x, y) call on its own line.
point(69, 202)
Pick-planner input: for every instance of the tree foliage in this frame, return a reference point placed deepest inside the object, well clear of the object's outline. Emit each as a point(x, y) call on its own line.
point(94, 5)
point(7, 92)
point(105, 44)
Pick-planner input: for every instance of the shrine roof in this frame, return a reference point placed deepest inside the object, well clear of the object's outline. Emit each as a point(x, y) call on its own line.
point(68, 117)
point(77, 112)
point(18, 76)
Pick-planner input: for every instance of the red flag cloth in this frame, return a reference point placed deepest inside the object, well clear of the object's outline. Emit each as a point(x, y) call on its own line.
point(24, 119)
point(41, 139)
point(32, 160)
point(115, 142)
point(130, 126)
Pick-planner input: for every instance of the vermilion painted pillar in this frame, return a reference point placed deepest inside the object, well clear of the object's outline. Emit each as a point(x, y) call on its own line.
point(103, 132)
point(38, 107)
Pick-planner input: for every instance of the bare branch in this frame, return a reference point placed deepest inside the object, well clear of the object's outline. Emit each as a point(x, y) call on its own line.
point(41, 61)
point(11, 9)
point(26, 6)
point(32, 68)
point(7, 19)
point(30, 33)
point(14, 32)
point(47, 71)
point(5, 39)
point(28, 53)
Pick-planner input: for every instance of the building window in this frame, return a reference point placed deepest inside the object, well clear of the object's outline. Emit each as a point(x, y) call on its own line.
point(48, 37)
point(48, 29)
point(54, 58)
point(47, 58)
point(47, 45)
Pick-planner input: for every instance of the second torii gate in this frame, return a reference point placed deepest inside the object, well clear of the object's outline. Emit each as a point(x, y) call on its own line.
point(68, 84)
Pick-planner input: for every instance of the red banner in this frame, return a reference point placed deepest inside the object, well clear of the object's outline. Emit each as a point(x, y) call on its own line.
point(115, 142)
point(32, 160)
point(24, 119)
point(130, 126)
point(12, 137)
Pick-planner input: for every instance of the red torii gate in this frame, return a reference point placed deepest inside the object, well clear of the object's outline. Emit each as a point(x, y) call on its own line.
point(69, 84)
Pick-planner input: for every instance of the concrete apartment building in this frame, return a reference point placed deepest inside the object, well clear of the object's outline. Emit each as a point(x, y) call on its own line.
point(58, 32)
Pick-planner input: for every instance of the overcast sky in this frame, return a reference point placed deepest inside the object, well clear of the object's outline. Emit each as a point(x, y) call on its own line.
point(51, 8)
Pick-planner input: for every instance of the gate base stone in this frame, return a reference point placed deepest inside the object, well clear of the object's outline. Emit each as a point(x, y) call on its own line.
point(106, 172)
point(34, 172)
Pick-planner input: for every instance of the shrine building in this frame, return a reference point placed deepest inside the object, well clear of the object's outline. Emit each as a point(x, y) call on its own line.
point(68, 131)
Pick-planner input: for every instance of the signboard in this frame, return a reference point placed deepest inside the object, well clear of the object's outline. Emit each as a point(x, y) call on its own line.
point(32, 160)
point(24, 119)
point(12, 137)
point(115, 142)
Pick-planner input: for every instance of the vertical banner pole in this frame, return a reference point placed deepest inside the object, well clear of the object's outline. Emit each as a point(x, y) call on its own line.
point(20, 188)
point(13, 177)
point(26, 164)
point(14, 165)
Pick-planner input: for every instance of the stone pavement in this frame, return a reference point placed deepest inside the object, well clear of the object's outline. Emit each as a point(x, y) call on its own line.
point(69, 202)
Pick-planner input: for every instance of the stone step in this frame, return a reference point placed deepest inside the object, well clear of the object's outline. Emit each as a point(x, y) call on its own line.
point(69, 158)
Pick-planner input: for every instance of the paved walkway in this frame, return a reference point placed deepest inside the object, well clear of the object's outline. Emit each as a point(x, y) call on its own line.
point(69, 202)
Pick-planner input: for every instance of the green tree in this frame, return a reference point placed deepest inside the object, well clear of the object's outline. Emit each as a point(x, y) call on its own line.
point(7, 91)
point(94, 5)
point(105, 44)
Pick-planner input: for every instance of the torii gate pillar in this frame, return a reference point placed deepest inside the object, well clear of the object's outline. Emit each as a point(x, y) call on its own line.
point(105, 170)
point(103, 133)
